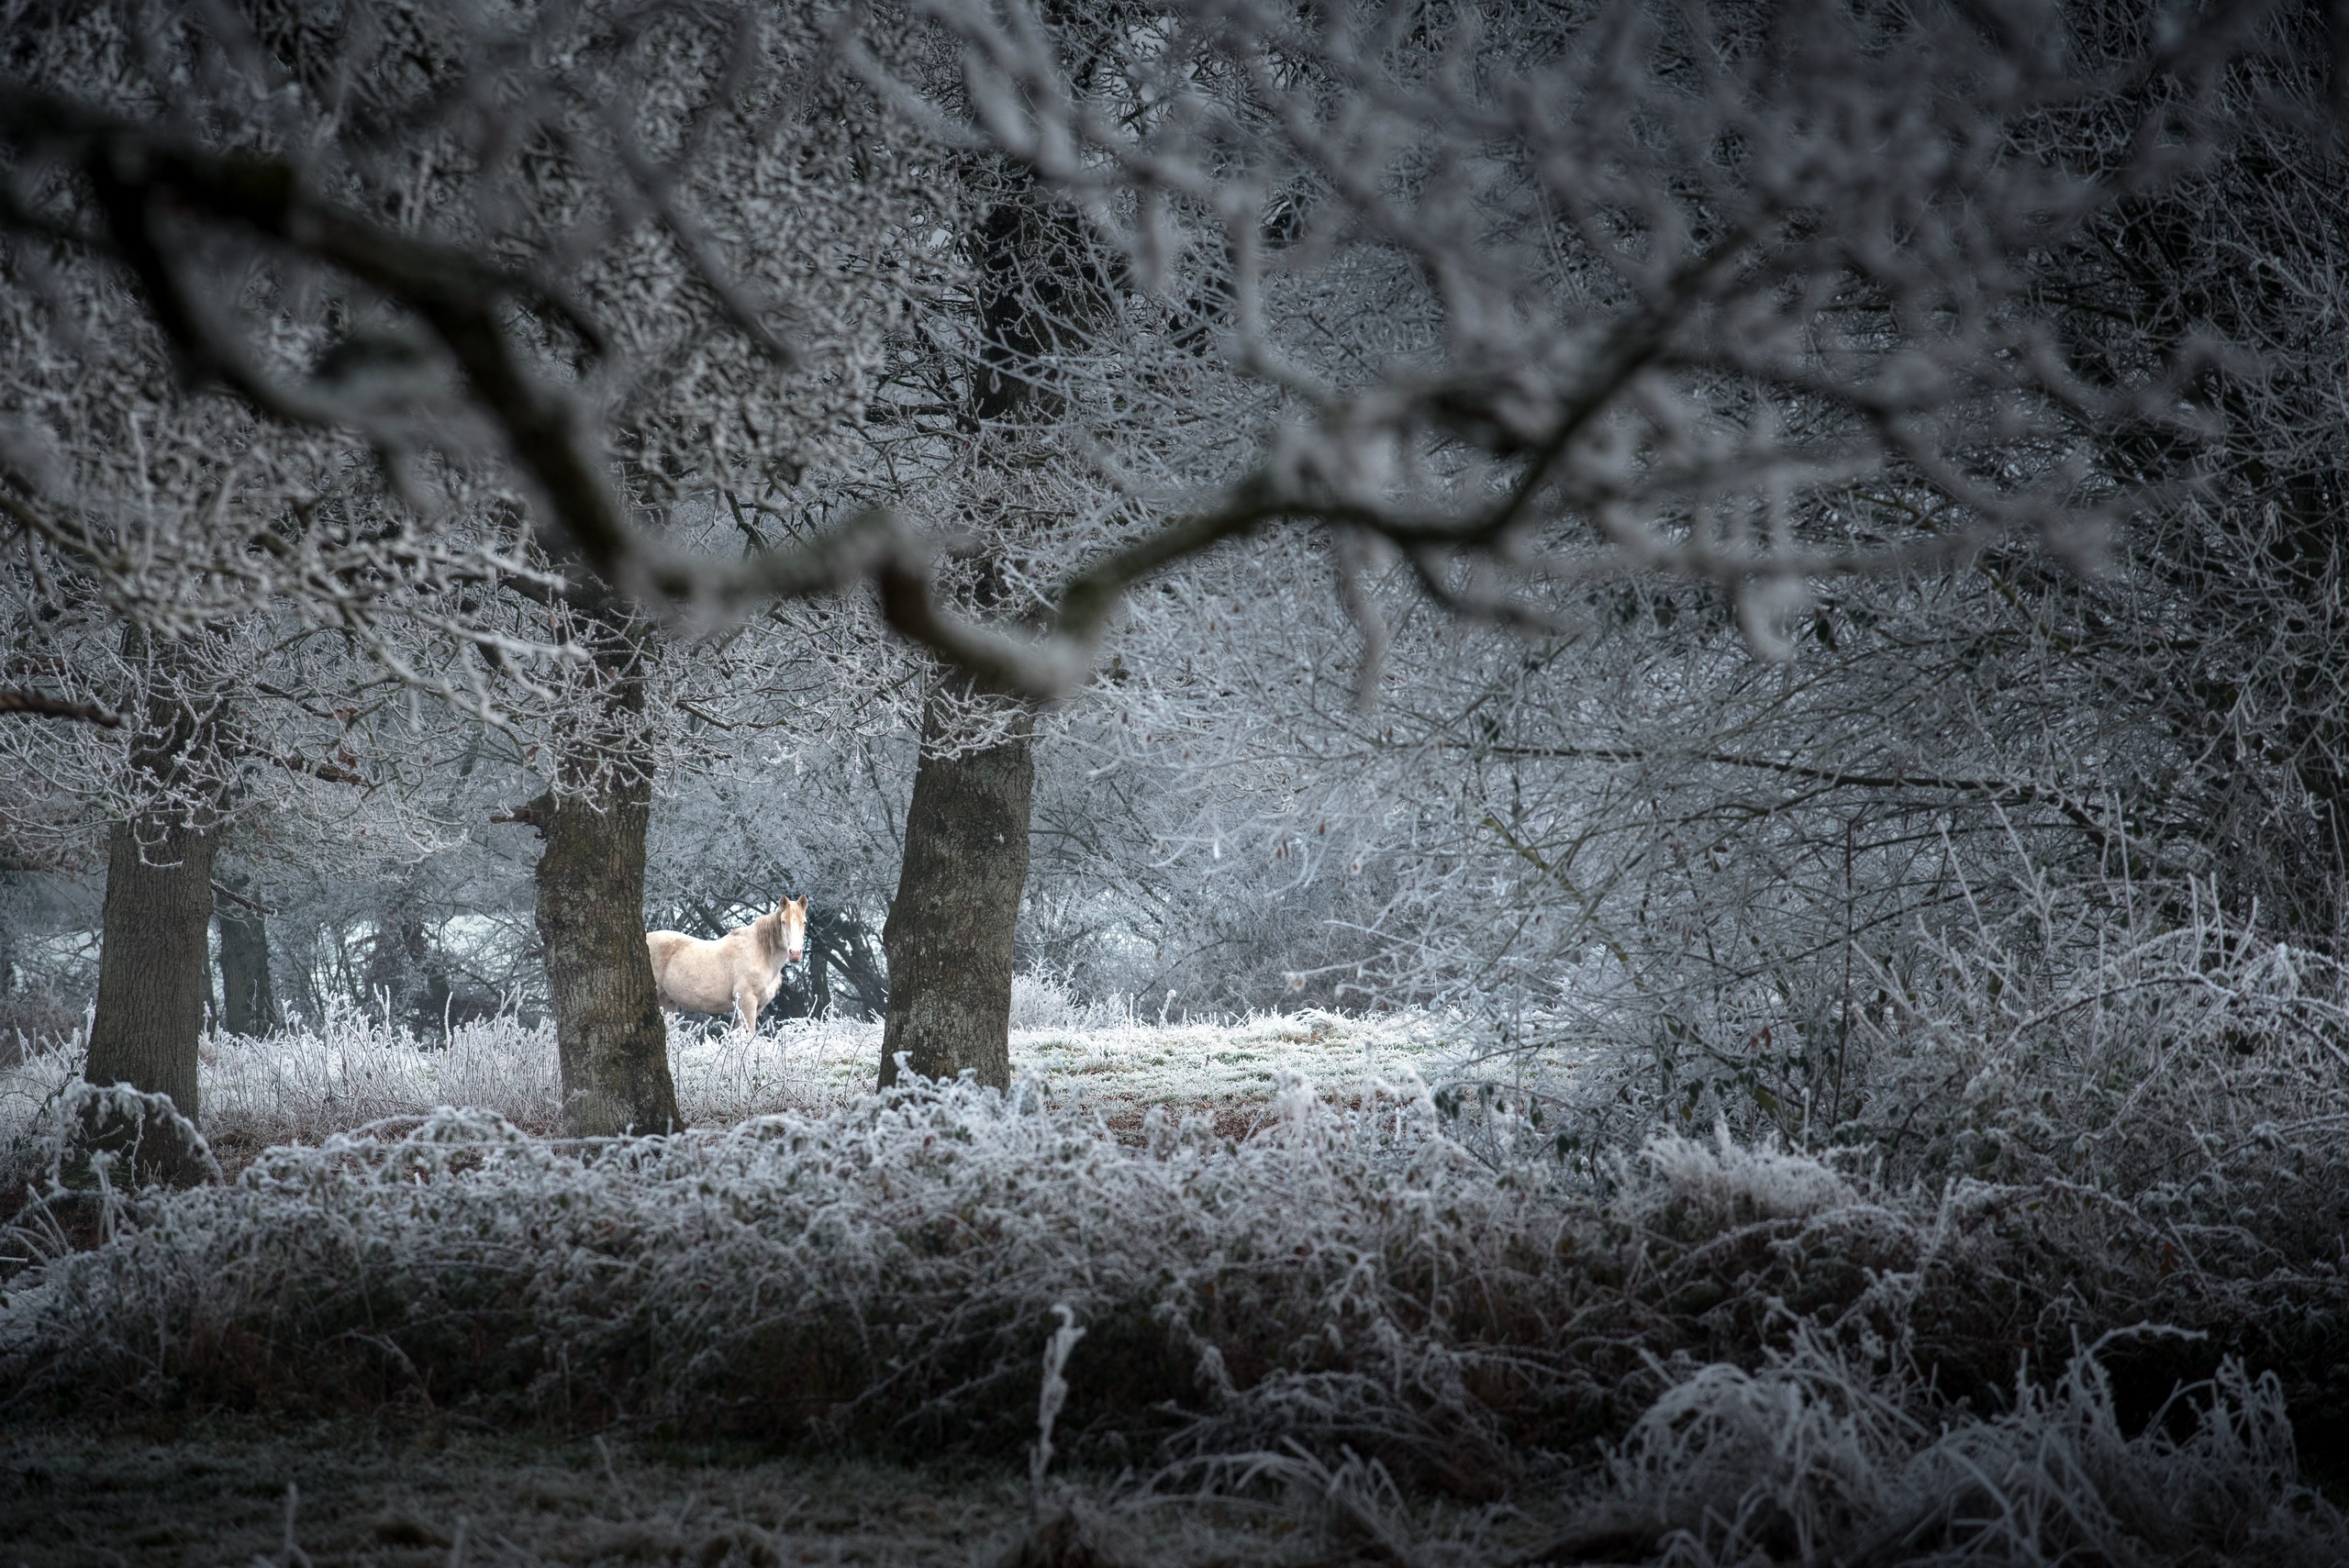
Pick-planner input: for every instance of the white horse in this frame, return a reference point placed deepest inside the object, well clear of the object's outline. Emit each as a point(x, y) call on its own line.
point(740, 973)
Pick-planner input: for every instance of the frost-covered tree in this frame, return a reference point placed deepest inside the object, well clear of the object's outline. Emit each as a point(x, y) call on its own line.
point(253, 732)
point(1524, 314)
point(1739, 294)
point(565, 277)
point(1809, 891)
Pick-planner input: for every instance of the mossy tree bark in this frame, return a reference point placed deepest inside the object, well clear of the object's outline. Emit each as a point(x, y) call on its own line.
point(611, 1039)
point(949, 937)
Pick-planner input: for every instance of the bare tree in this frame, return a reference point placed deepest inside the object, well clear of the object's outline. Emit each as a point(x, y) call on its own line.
point(1770, 891)
point(1645, 284)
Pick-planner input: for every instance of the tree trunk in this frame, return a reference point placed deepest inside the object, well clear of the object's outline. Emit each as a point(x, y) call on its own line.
point(154, 966)
point(248, 1003)
point(613, 1042)
point(154, 953)
point(949, 936)
point(611, 1039)
point(820, 980)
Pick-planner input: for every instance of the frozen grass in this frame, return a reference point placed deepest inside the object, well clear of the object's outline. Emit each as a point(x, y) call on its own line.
point(309, 1082)
point(1796, 1464)
point(1332, 1302)
point(1133, 1066)
point(1118, 1064)
point(313, 1080)
point(422, 1493)
point(1812, 1457)
point(1345, 1308)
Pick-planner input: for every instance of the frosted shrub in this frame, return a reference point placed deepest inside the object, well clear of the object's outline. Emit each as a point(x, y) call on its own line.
point(28, 1086)
point(1786, 1460)
point(1726, 1181)
point(2191, 1070)
point(109, 1138)
point(1815, 1458)
point(1041, 1001)
point(890, 1267)
point(2167, 1044)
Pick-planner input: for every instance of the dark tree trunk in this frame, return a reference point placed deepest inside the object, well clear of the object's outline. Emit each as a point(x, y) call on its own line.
point(612, 1040)
point(819, 980)
point(248, 1002)
point(949, 937)
point(155, 963)
point(614, 1044)
point(154, 953)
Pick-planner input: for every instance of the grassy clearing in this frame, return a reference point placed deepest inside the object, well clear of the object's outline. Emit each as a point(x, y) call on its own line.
point(313, 1081)
point(1121, 1068)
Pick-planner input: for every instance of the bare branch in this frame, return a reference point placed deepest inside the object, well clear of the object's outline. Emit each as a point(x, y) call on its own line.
point(17, 699)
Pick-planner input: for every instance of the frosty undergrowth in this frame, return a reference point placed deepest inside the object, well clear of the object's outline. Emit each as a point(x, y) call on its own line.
point(1342, 1282)
point(1791, 1360)
point(1815, 1457)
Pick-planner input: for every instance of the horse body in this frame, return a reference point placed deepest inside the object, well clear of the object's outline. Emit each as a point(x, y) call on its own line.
point(740, 973)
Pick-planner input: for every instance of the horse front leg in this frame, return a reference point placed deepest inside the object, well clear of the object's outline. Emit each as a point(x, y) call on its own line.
point(746, 1009)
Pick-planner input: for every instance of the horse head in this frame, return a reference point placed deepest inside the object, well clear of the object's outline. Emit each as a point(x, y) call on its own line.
point(789, 928)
